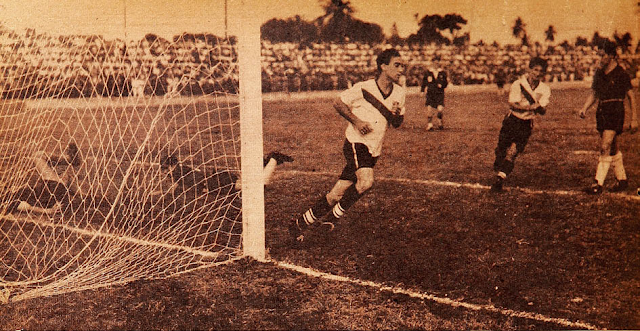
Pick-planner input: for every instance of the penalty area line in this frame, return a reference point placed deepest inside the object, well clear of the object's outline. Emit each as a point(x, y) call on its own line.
point(459, 185)
point(430, 297)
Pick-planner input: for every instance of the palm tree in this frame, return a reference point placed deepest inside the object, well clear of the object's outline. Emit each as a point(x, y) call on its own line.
point(337, 14)
point(550, 34)
point(624, 41)
point(395, 38)
point(518, 28)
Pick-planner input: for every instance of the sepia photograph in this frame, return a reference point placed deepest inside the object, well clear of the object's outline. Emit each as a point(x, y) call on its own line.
point(319, 165)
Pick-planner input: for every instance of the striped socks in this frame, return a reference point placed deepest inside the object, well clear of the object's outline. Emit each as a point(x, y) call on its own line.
point(322, 207)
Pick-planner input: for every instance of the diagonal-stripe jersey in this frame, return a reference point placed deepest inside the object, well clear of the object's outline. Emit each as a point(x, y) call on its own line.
point(367, 112)
point(542, 93)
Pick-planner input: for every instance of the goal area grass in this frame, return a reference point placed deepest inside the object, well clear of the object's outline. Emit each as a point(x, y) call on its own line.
point(429, 225)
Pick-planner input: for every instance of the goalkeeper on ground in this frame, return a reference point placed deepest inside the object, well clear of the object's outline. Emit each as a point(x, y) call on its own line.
point(55, 187)
point(195, 182)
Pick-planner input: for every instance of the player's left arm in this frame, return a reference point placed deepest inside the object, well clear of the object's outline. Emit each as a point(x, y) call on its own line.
point(543, 101)
point(632, 108)
point(445, 80)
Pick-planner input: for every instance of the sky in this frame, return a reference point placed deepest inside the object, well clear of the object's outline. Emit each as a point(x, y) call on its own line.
point(488, 20)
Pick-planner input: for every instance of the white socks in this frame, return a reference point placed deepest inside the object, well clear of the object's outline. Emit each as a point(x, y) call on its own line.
point(618, 168)
point(603, 168)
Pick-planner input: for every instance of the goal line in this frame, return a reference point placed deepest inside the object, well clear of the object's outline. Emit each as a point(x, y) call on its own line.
point(120, 237)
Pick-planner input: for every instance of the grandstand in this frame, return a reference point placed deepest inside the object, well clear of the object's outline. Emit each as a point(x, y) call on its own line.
point(74, 66)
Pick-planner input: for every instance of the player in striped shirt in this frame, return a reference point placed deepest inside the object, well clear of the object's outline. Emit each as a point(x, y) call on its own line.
point(369, 107)
point(528, 97)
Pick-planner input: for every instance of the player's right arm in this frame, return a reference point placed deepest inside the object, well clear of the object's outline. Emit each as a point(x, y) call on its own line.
point(591, 100)
point(423, 86)
point(162, 191)
point(41, 161)
point(345, 111)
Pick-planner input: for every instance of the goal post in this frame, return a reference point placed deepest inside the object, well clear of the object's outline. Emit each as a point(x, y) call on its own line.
point(131, 159)
point(253, 216)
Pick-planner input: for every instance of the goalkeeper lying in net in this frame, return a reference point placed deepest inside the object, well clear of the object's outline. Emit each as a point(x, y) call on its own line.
point(55, 187)
point(194, 182)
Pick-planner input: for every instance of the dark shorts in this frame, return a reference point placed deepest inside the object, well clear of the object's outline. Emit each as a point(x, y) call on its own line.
point(610, 116)
point(45, 194)
point(514, 130)
point(357, 156)
point(434, 100)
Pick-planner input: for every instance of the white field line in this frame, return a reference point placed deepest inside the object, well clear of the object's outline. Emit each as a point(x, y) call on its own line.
point(91, 233)
point(430, 297)
point(459, 185)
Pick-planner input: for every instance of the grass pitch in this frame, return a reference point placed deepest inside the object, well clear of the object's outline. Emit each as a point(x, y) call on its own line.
point(541, 247)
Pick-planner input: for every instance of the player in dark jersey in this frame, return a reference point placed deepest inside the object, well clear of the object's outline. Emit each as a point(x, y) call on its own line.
point(611, 86)
point(500, 80)
point(192, 182)
point(55, 187)
point(434, 82)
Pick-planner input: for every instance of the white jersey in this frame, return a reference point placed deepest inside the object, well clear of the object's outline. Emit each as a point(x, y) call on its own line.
point(542, 93)
point(365, 111)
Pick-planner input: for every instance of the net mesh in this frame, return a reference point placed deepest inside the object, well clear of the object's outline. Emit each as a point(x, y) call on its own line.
point(118, 160)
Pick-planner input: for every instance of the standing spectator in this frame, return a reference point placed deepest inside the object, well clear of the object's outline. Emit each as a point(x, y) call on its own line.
point(528, 97)
point(369, 107)
point(434, 81)
point(611, 85)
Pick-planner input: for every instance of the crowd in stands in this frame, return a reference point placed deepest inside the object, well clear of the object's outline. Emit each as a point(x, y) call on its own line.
point(40, 65)
point(72, 66)
point(289, 67)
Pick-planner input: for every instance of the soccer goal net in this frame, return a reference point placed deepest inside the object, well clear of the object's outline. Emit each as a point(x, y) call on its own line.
point(120, 160)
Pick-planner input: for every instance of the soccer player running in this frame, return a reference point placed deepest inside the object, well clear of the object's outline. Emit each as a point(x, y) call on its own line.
point(611, 85)
point(434, 81)
point(528, 97)
point(369, 107)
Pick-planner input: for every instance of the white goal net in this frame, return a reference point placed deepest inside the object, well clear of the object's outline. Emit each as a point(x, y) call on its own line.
point(119, 160)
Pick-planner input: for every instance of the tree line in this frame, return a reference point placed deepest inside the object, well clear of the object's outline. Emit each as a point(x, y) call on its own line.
point(338, 25)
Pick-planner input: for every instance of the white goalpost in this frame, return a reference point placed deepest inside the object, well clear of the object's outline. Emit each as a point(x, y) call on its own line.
point(251, 132)
point(127, 159)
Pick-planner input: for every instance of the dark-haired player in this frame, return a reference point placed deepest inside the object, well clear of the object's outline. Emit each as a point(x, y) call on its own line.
point(528, 97)
point(55, 187)
point(369, 107)
point(611, 85)
point(434, 82)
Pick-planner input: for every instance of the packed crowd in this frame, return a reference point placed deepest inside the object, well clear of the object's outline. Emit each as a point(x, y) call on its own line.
point(73, 66)
point(36, 65)
point(288, 67)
